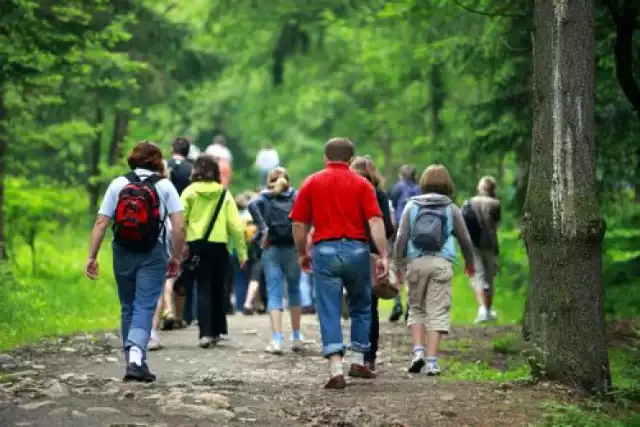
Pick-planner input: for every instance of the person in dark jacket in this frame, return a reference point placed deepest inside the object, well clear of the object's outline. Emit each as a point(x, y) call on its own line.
point(406, 187)
point(366, 168)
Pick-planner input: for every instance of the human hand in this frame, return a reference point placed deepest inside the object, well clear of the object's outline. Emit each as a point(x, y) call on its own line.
point(264, 241)
point(469, 270)
point(173, 268)
point(92, 270)
point(185, 252)
point(243, 265)
point(305, 262)
point(382, 267)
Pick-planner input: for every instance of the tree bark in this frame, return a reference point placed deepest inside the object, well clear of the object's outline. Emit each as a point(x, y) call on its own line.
point(3, 155)
point(437, 100)
point(120, 129)
point(93, 186)
point(563, 230)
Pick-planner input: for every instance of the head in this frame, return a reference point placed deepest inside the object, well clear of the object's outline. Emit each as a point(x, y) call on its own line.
point(278, 180)
point(436, 179)
point(219, 139)
point(146, 155)
point(407, 173)
point(487, 186)
point(181, 146)
point(242, 201)
point(206, 169)
point(364, 166)
point(339, 150)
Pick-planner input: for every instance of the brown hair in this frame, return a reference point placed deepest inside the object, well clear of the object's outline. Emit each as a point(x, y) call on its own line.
point(242, 201)
point(436, 179)
point(364, 166)
point(278, 180)
point(487, 186)
point(181, 146)
point(205, 168)
point(146, 155)
point(339, 150)
point(407, 172)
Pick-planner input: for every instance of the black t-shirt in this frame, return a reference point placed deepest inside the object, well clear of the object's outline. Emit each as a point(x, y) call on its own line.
point(180, 174)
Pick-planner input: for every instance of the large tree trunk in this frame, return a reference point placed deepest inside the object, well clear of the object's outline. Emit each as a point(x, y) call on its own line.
point(563, 230)
point(93, 184)
point(120, 129)
point(3, 155)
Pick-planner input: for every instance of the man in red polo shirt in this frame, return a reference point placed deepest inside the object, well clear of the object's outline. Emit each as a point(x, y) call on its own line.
point(340, 204)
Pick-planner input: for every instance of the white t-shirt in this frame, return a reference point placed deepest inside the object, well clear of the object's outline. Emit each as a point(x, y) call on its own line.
point(267, 159)
point(219, 151)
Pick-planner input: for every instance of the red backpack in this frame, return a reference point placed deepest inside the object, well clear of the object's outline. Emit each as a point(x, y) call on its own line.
point(137, 224)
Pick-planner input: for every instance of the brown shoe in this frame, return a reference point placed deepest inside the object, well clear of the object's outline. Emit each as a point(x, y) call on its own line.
point(336, 383)
point(371, 366)
point(361, 371)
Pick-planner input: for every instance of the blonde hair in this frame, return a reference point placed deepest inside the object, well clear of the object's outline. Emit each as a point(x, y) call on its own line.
point(364, 166)
point(278, 180)
point(487, 186)
point(436, 179)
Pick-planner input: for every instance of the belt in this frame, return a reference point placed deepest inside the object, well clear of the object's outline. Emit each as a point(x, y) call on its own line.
point(342, 239)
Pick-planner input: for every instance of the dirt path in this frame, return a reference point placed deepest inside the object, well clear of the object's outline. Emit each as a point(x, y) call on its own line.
point(76, 382)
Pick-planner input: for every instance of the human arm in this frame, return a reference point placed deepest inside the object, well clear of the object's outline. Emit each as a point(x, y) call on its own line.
point(464, 239)
point(256, 209)
point(105, 213)
point(373, 214)
point(235, 228)
point(402, 237)
point(383, 202)
point(301, 217)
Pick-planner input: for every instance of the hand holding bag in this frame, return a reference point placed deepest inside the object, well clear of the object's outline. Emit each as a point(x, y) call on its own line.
point(384, 288)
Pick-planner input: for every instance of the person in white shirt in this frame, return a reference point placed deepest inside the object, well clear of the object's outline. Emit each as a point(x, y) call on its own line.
point(267, 159)
point(219, 150)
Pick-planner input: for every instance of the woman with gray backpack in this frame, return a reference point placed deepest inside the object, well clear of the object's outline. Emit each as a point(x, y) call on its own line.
point(425, 246)
point(270, 212)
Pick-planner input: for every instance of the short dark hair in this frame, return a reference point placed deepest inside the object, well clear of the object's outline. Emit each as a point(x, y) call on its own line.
point(408, 172)
point(146, 155)
point(181, 146)
point(339, 150)
point(205, 168)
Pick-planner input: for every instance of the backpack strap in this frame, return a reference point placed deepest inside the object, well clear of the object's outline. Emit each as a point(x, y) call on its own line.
point(132, 177)
point(214, 217)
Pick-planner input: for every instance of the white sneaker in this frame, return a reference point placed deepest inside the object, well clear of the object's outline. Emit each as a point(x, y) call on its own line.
point(483, 316)
point(433, 368)
point(275, 347)
point(417, 363)
point(154, 344)
point(296, 343)
point(493, 316)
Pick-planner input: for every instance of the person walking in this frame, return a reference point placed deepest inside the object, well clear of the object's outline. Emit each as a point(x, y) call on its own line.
point(211, 219)
point(482, 215)
point(267, 159)
point(270, 212)
point(339, 204)
point(365, 167)
point(138, 203)
point(425, 246)
point(405, 188)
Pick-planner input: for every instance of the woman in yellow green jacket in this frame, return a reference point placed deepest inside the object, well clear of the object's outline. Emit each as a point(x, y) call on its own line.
point(209, 258)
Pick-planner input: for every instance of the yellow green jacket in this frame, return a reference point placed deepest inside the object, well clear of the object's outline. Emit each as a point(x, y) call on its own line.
point(200, 200)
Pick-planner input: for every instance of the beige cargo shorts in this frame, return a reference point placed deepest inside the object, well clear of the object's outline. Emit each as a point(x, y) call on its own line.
point(485, 264)
point(428, 280)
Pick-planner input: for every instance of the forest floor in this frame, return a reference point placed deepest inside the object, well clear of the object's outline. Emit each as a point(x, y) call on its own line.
point(76, 381)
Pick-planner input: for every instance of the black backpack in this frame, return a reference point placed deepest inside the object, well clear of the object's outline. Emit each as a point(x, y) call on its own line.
point(472, 223)
point(277, 210)
point(180, 174)
point(137, 224)
point(429, 230)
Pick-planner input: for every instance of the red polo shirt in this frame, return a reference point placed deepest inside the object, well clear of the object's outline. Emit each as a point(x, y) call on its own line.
point(337, 202)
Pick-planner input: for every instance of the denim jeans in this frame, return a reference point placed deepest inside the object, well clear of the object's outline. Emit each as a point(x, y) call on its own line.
point(307, 292)
point(140, 278)
point(240, 283)
point(280, 265)
point(335, 264)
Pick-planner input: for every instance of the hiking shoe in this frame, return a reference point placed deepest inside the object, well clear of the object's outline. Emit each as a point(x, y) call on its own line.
point(417, 363)
point(296, 343)
point(180, 324)
point(308, 310)
point(154, 344)
point(396, 313)
point(336, 383)
point(207, 342)
point(493, 316)
point(139, 373)
point(275, 347)
point(361, 371)
point(433, 368)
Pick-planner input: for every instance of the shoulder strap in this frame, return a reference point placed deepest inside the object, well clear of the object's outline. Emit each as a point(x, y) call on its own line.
point(214, 217)
point(132, 177)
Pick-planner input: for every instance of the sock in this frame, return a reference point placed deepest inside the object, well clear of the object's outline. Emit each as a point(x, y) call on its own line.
point(357, 358)
point(336, 369)
point(296, 334)
point(135, 355)
point(432, 359)
point(418, 350)
point(277, 336)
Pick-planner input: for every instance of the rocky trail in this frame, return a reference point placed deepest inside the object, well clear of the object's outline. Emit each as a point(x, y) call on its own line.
point(76, 381)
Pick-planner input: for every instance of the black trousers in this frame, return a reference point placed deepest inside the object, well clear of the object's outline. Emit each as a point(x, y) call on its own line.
point(374, 331)
point(210, 275)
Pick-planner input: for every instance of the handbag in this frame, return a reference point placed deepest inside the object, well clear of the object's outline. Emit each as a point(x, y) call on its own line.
point(383, 288)
point(196, 247)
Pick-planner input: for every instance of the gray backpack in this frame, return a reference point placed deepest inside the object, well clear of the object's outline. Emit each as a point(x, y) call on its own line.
point(429, 230)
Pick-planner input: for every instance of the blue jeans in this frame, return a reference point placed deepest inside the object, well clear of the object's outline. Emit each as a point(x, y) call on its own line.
point(306, 289)
point(280, 265)
point(335, 264)
point(140, 278)
point(240, 282)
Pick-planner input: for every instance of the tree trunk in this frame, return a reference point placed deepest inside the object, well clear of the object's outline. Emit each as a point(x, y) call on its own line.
point(93, 185)
point(437, 101)
point(120, 129)
point(3, 155)
point(563, 229)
